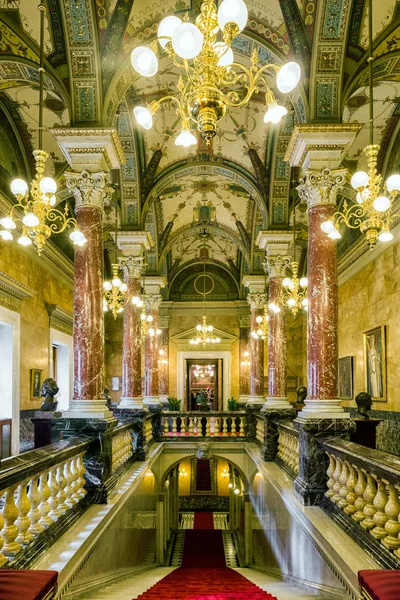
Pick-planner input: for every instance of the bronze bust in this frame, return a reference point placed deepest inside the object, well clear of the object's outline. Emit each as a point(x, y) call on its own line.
point(301, 394)
point(364, 404)
point(49, 389)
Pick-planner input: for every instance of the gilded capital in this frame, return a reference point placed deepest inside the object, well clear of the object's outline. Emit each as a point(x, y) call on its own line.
point(89, 189)
point(257, 300)
point(153, 301)
point(321, 187)
point(132, 267)
point(276, 265)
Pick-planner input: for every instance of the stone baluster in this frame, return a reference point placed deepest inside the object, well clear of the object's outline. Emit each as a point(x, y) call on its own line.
point(61, 496)
point(359, 489)
point(233, 426)
point(174, 427)
point(241, 430)
point(166, 425)
point(369, 509)
point(54, 513)
point(75, 480)
point(200, 426)
point(10, 531)
point(44, 506)
point(81, 490)
point(336, 476)
point(183, 425)
point(3, 559)
point(208, 426)
point(22, 523)
point(392, 525)
point(344, 475)
point(69, 488)
point(351, 497)
point(35, 527)
point(191, 427)
point(216, 426)
point(380, 517)
point(224, 426)
point(330, 471)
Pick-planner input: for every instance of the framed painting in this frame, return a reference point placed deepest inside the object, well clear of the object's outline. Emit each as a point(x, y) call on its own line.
point(375, 363)
point(345, 378)
point(36, 382)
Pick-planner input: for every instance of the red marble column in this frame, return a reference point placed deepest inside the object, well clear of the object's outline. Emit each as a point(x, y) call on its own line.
point(132, 340)
point(244, 358)
point(319, 189)
point(163, 357)
point(88, 400)
point(151, 384)
point(256, 395)
point(277, 341)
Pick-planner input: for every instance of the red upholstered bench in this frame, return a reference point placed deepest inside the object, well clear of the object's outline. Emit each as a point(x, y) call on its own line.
point(379, 584)
point(27, 585)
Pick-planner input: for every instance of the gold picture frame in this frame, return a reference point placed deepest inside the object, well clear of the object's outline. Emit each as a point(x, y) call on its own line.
point(375, 363)
point(36, 383)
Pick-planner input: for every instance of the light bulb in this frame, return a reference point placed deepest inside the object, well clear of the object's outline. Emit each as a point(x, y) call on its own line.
point(287, 282)
point(116, 282)
point(166, 29)
point(150, 318)
point(291, 302)
point(186, 138)
point(135, 300)
point(232, 11)
point(158, 331)
point(393, 183)
point(105, 306)
point(288, 77)
point(30, 220)
point(7, 223)
point(230, 485)
point(123, 287)
point(254, 334)
point(327, 227)
point(144, 61)
point(381, 203)
point(210, 328)
point(304, 282)
point(259, 332)
point(143, 116)
point(6, 235)
point(226, 59)
point(274, 113)
point(48, 185)
point(107, 286)
point(334, 235)
point(77, 237)
point(187, 40)
point(236, 491)
point(53, 200)
point(198, 327)
point(305, 302)
point(385, 236)
point(120, 309)
point(151, 331)
point(161, 352)
point(142, 317)
point(24, 240)
point(363, 195)
point(246, 353)
point(359, 180)
point(208, 340)
point(258, 319)
point(218, 340)
point(19, 187)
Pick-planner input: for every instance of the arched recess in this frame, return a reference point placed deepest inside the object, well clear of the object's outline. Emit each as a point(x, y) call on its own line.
point(170, 461)
point(227, 288)
point(222, 167)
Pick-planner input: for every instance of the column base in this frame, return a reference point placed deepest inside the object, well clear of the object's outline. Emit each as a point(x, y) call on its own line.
point(152, 401)
point(164, 400)
point(277, 403)
point(88, 409)
point(243, 399)
point(323, 409)
point(255, 400)
point(131, 402)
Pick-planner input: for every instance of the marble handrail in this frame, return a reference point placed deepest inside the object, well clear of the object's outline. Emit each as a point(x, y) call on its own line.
point(365, 485)
point(36, 489)
point(177, 424)
point(288, 446)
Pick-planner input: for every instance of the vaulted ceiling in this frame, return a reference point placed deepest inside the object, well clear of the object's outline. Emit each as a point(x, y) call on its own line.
point(241, 183)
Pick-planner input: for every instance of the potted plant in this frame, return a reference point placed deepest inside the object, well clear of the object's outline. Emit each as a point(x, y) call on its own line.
point(232, 404)
point(174, 404)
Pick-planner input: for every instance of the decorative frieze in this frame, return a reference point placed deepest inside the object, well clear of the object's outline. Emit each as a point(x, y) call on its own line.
point(12, 292)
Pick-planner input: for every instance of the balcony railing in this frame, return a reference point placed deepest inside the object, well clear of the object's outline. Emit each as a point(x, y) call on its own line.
point(288, 448)
point(216, 425)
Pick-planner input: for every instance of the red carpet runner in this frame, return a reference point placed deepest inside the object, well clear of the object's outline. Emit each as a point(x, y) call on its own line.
point(203, 520)
point(203, 575)
point(203, 475)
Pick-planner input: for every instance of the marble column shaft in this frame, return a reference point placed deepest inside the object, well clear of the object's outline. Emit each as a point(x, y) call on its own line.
point(244, 346)
point(256, 301)
point(277, 343)
point(163, 343)
point(132, 341)
point(151, 356)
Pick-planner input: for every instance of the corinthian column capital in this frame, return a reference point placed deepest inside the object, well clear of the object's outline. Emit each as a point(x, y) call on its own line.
point(153, 301)
point(321, 187)
point(132, 267)
point(89, 189)
point(276, 265)
point(257, 300)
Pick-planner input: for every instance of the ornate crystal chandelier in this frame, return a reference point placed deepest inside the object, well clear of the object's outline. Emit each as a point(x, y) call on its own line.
point(373, 212)
point(295, 293)
point(262, 326)
point(211, 80)
point(203, 371)
point(40, 219)
point(146, 325)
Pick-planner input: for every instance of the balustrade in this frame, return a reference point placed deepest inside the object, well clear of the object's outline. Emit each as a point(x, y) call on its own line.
point(122, 449)
point(365, 485)
point(36, 494)
point(288, 447)
point(198, 424)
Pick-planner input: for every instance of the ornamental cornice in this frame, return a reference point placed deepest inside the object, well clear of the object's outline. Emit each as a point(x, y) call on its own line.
point(89, 189)
point(60, 319)
point(321, 187)
point(257, 300)
point(12, 292)
point(90, 141)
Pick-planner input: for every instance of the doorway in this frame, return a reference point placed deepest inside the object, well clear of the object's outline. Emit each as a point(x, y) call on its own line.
point(204, 383)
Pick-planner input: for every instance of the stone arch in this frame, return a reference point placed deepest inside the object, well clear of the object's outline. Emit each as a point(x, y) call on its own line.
point(179, 281)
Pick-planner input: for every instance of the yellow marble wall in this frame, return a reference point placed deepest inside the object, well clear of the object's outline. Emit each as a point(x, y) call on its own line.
point(113, 352)
point(369, 299)
point(35, 334)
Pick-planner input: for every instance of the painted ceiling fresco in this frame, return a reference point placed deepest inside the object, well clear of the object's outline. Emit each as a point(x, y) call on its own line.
point(241, 180)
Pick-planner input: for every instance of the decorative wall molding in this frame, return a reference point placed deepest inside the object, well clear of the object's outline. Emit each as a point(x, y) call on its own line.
point(59, 318)
point(12, 292)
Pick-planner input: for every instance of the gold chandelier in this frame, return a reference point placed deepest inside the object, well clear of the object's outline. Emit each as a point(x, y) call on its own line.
point(373, 212)
point(146, 325)
point(203, 371)
point(211, 81)
point(295, 289)
point(262, 325)
point(114, 294)
point(40, 219)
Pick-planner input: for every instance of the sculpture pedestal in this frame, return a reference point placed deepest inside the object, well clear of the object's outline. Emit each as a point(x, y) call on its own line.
point(365, 433)
point(44, 423)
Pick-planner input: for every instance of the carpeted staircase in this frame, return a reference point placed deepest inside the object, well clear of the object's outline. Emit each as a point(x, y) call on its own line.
point(203, 475)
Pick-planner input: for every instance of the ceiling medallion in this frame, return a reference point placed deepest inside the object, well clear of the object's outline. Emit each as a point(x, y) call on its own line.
point(372, 214)
point(211, 81)
point(40, 219)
